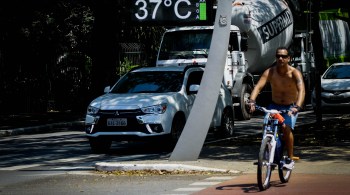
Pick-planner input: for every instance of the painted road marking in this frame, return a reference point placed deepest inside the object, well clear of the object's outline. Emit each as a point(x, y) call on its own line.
point(188, 189)
point(206, 183)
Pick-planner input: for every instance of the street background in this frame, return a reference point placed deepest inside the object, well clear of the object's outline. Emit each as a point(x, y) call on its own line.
point(56, 153)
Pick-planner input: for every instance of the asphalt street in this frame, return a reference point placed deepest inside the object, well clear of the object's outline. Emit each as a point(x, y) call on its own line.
point(322, 169)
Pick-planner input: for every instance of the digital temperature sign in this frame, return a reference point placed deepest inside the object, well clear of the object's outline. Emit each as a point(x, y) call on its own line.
point(172, 12)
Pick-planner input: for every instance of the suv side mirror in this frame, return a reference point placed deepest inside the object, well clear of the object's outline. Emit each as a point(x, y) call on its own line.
point(193, 89)
point(107, 89)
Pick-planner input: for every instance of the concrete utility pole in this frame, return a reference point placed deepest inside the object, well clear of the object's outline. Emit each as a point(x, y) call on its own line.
point(196, 129)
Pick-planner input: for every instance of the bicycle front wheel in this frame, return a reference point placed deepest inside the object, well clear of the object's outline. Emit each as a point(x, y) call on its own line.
point(264, 167)
point(283, 172)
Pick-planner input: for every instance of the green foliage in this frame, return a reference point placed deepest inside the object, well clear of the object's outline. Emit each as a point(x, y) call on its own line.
point(126, 66)
point(34, 39)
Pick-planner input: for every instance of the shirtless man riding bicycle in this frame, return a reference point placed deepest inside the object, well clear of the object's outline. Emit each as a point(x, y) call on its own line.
point(288, 93)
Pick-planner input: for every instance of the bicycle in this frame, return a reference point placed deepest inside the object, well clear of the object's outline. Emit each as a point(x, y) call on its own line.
point(272, 151)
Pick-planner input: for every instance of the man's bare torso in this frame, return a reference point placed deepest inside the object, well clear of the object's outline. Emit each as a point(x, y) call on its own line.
point(284, 88)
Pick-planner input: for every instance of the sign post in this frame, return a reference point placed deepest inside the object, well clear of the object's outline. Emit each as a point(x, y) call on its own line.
point(196, 129)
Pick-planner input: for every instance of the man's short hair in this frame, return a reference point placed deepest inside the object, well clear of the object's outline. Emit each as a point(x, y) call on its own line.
point(289, 52)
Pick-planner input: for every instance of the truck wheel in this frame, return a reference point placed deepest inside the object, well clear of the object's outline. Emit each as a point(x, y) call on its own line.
point(99, 146)
point(242, 112)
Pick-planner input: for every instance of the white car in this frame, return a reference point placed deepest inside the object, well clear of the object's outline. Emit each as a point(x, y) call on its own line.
point(151, 102)
point(335, 87)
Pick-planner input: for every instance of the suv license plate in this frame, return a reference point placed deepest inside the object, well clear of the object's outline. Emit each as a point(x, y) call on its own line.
point(117, 122)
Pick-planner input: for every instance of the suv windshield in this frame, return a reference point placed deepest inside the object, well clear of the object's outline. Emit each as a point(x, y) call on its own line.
point(149, 82)
point(338, 72)
point(185, 44)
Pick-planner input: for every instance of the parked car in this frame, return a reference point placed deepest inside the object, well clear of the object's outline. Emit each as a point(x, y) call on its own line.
point(151, 102)
point(335, 87)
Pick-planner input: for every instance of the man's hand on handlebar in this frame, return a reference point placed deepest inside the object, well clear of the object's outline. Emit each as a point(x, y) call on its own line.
point(294, 110)
point(251, 105)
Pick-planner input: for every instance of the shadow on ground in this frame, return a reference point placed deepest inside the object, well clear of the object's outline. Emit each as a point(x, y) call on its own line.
point(328, 141)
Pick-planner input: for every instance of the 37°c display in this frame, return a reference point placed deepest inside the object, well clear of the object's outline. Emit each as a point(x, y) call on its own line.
point(172, 11)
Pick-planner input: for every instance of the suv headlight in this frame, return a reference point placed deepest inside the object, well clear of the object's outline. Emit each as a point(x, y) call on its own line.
point(92, 110)
point(156, 109)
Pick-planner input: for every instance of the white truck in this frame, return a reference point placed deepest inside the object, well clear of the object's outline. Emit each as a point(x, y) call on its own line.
point(257, 29)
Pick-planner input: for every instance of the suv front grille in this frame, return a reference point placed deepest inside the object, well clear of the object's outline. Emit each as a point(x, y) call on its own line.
point(136, 112)
point(129, 115)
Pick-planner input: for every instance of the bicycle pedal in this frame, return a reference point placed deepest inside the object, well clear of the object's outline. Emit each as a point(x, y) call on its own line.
point(295, 158)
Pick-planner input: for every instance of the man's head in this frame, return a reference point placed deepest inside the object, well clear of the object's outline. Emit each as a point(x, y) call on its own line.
point(282, 55)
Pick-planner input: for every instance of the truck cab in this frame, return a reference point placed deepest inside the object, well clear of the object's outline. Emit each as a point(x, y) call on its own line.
point(183, 46)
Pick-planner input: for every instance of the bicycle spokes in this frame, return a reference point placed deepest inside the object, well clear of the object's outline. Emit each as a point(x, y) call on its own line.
point(264, 165)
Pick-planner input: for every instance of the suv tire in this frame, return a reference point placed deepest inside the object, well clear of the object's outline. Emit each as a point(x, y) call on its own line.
point(227, 123)
point(177, 127)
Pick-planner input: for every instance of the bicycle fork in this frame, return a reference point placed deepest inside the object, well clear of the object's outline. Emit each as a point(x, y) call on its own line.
point(272, 147)
point(271, 131)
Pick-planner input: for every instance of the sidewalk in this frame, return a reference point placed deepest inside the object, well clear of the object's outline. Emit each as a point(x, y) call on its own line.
point(27, 123)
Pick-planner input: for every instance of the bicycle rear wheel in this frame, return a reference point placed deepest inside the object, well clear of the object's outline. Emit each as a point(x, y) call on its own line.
point(264, 167)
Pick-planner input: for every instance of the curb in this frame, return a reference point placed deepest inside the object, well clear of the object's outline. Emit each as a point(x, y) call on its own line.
point(104, 166)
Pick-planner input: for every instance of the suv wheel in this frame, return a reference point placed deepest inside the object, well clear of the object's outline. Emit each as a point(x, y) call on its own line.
point(176, 128)
point(227, 123)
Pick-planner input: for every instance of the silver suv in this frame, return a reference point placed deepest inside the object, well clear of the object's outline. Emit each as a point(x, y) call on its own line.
point(152, 102)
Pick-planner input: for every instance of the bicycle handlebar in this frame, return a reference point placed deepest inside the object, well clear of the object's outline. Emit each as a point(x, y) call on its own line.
point(272, 111)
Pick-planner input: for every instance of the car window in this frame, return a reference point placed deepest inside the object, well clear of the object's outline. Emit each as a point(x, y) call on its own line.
point(149, 82)
point(338, 72)
point(186, 44)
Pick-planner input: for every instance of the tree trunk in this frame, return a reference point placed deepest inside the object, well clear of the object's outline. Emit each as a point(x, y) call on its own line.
point(104, 46)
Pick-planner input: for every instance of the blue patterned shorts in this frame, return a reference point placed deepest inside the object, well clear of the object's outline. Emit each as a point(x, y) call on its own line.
point(289, 120)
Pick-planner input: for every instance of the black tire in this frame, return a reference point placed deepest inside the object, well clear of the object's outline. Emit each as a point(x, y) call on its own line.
point(99, 146)
point(242, 111)
point(177, 127)
point(283, 173)
point(264, 170)
point(227, 123)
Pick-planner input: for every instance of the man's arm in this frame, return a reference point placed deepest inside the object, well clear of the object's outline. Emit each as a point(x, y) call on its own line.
point(258, 87)
point(261, 83)
point(300, 87)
